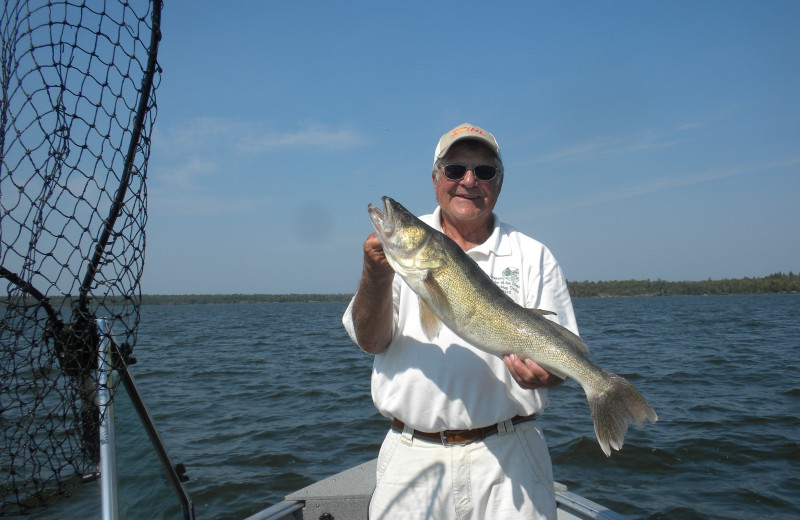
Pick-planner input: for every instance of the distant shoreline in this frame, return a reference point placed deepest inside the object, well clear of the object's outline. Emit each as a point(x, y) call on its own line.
point(773, 284)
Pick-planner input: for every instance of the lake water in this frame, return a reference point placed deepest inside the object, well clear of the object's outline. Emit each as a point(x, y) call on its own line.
point(260, 400)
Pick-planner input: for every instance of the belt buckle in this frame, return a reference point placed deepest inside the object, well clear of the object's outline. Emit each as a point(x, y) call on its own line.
point(443, 437)
point(447, 443)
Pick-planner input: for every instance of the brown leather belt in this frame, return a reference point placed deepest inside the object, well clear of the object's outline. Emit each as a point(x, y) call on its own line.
point(459, 437)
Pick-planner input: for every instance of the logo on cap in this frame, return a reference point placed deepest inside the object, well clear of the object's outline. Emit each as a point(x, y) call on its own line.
point(461, 129)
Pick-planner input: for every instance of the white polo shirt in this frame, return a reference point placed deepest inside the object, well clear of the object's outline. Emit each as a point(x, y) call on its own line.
point(448, 384)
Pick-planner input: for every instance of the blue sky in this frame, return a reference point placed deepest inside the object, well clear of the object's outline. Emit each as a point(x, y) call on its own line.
point(641, 140)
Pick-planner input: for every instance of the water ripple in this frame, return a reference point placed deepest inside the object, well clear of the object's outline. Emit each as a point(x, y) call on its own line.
point(260, 400)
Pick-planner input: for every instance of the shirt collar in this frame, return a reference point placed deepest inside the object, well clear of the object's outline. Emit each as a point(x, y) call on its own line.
point(496, 244)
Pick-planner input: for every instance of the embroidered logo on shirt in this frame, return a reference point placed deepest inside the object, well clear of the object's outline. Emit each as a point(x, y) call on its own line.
point(508, 281)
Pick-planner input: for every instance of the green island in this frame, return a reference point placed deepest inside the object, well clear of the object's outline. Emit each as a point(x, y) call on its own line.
point(772, 284)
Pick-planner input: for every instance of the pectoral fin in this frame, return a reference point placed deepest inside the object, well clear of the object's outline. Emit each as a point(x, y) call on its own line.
point(430, 321)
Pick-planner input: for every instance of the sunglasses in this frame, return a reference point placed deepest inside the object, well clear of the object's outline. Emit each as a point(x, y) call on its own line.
point(482, 172)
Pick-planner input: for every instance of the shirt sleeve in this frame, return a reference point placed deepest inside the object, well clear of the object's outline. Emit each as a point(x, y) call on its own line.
point(554, 277)
point(553, 294)
point(347, 321)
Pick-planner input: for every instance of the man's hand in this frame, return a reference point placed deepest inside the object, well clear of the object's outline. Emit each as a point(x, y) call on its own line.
point(530, 375)
point(375, 263)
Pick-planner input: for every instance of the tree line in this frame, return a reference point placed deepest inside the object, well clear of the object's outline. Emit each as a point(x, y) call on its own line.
point(774, 283)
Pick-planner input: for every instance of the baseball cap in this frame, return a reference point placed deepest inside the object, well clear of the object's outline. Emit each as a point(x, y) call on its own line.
point(465, 131)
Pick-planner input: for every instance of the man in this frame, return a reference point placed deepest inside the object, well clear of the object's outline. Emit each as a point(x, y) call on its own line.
point(464, 442)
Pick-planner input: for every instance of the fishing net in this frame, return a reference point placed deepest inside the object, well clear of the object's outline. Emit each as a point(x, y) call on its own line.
point(78, 107)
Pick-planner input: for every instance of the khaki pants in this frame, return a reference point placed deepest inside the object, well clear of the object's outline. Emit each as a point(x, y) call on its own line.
point(506, 476)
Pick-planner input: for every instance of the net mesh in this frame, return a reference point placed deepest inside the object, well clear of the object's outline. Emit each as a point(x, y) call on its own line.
point(78, 107)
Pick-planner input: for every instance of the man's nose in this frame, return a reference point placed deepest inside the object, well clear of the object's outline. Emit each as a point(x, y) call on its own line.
point(469, 178)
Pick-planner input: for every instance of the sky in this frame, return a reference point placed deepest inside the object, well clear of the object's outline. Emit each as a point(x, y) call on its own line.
point(640, 140)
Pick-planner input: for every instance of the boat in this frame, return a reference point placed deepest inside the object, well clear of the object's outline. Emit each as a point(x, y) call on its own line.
point(346, 496)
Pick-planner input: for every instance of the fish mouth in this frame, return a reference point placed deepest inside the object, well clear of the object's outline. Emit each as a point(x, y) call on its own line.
point(382, 221)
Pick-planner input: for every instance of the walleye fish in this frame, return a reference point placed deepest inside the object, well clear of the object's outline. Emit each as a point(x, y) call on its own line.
point(455, 291)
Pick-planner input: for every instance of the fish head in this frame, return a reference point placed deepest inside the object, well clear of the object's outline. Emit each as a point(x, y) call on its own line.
point(408, 242)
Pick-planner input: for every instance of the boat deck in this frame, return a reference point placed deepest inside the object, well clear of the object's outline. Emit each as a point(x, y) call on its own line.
point(345, 496)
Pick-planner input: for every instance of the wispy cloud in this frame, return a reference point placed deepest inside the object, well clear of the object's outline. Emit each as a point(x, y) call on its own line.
point(188, 172)
point(312, 135)
point(607, 145)
point(644, 141)
point(655, 185)
point(219, 136)
point(193, 159)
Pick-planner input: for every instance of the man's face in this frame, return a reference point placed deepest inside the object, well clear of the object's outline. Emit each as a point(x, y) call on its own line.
point(468, 199)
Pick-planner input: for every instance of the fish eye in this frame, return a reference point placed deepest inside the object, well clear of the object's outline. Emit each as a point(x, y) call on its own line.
point(405, 218)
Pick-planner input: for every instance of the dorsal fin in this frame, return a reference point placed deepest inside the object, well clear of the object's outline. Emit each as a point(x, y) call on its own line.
point(578, 342)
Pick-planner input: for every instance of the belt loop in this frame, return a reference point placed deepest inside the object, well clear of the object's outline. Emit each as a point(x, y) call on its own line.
point(505, 427)
point(407, 437)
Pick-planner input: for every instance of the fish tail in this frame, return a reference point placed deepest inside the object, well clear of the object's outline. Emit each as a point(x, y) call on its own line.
point(613, 407)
